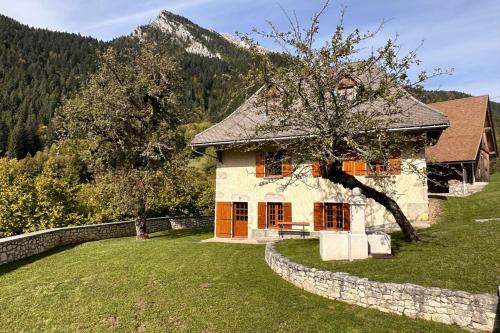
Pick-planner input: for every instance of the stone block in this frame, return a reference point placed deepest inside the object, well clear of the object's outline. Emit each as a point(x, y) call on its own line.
point(379, 243)
point(358, 246)
point(334, 245)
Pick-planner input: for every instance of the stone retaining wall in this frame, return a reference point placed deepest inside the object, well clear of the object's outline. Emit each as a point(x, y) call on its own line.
point(472, 312)
point(26, 245)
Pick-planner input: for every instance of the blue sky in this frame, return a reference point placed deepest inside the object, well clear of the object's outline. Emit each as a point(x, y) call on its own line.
point(459, 34)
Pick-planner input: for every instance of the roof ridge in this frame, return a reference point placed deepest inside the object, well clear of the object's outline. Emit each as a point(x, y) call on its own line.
point(458, 99)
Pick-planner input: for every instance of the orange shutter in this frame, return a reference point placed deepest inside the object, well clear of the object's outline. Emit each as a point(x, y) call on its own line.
point(316, 169)
point(260, 164)
point(287, 214)
point(318, 216)
point(348, 167)
point(223, 219)
point(287, 166)
point(347, 216)
point(395, 166)
point(261, 215)
point(360, 168)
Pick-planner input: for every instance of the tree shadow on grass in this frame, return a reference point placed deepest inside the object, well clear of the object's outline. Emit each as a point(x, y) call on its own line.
point(181, 233)
point(26, 261)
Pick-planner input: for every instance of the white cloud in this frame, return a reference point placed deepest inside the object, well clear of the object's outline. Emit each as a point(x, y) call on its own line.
point(143, 15)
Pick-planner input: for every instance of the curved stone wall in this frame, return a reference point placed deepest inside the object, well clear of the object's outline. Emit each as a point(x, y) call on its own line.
point(469, 311)
point(26, 245)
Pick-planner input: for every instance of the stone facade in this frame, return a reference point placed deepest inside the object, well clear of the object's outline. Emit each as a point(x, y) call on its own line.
point(26, 245)
point(469, 311)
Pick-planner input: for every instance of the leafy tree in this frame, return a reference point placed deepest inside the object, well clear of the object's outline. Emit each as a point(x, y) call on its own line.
point(128, 115)
point(340, 104)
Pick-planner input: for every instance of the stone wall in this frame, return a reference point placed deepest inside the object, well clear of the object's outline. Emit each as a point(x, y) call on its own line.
point(26, 245)
point(472, 312)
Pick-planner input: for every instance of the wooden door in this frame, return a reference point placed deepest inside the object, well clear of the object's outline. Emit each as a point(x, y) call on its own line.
point(223, 219)
point(240, 219)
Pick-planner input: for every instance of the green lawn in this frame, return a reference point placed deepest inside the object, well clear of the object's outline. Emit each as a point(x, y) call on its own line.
point(456, 253)
point(173, 283)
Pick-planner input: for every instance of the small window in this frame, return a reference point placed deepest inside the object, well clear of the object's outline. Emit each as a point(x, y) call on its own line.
point(241, 211)
point(274, 164)
point(334, 216)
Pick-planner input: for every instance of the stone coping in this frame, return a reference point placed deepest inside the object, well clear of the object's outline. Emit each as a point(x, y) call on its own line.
point(473, 312)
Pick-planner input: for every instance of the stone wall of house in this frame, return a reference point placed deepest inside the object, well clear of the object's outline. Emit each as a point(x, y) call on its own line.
point(26, 245)
point(469, 311)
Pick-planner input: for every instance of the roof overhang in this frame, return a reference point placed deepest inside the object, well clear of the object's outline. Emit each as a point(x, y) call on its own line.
point(284, 138)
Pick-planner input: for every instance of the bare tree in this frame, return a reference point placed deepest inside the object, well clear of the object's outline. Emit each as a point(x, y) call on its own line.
point(338, 105)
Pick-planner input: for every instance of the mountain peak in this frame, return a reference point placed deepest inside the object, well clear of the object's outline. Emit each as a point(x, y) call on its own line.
point(193, 37)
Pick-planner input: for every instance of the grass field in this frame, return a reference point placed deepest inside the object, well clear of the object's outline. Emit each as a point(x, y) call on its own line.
point(456, 253)
point(173, 283)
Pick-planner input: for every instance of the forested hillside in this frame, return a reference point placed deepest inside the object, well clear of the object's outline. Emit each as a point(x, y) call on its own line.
point(38, 68)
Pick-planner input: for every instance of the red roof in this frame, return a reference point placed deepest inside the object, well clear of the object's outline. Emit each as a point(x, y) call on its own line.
point(460, 141)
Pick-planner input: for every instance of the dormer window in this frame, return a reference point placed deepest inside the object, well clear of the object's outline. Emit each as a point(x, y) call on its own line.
point(346, 83)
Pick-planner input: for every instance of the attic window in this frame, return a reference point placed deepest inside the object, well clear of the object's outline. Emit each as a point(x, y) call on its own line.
point(272, 91)
point(346, 83)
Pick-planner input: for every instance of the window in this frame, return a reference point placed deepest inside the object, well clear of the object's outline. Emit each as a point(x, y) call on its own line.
point(241, 211)
point(274, 164)
point(274, 214)
point(334, 216)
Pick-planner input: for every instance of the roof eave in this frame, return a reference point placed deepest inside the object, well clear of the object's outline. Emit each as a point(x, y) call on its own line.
point(229, 142)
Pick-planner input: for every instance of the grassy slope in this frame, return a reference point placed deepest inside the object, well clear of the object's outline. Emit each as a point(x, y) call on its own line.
point(457, 253)
point(173, 283)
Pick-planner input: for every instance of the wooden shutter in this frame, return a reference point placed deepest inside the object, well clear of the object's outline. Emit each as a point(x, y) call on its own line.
point(394, 166)
point(287, 166)
point(360, 168)
point(316, 169)
point(260, 164)
point(287, 214)
point(347, 216)
point(318, 216)
point(348, 167)
point(261, 215)
point(223, 219)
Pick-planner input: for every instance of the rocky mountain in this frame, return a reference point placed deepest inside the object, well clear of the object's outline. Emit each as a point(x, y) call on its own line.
point(39, 68)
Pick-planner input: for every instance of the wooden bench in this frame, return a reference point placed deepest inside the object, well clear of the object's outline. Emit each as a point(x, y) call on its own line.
point(283, 228)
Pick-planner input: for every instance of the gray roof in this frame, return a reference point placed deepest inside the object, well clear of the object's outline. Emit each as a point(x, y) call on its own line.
point(241, 124)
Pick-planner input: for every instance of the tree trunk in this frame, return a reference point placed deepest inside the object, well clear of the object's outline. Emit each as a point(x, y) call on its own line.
point(140, 222)
point(335, 175)
point(140, 228)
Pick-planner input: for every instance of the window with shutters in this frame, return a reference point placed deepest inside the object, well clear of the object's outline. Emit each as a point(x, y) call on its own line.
point(274, 164)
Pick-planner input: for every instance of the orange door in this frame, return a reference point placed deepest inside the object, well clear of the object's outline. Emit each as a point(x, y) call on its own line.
point(223, 219)
point(240, 219)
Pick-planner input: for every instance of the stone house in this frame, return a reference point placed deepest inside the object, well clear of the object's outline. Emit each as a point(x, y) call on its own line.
point(250, 206)
point(461, 154)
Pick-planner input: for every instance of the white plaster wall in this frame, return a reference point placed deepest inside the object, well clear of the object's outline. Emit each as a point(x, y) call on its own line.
point(236, 181)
